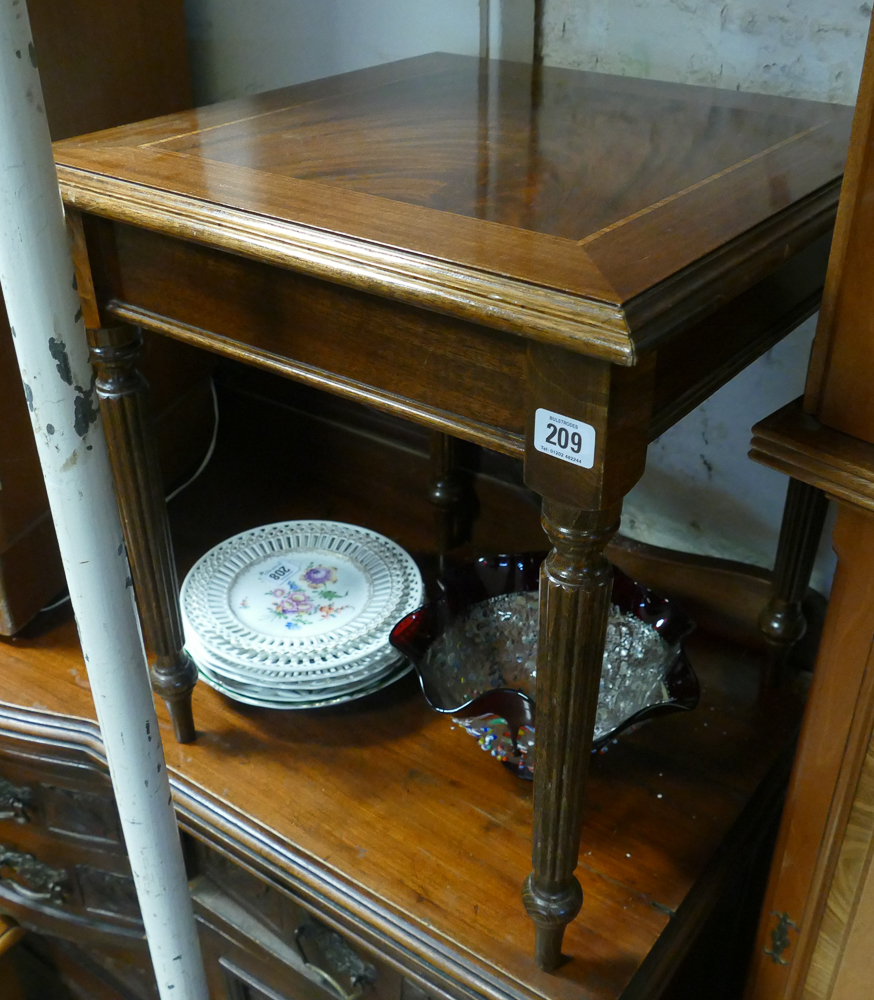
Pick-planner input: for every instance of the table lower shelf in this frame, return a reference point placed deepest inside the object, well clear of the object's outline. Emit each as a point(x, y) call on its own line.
point(393, 824)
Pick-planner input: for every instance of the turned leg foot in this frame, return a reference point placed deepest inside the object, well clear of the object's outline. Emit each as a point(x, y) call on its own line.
point(173, 679)
point(123, 396)
point(782, 621)
point(551, 912)
point(575, 591)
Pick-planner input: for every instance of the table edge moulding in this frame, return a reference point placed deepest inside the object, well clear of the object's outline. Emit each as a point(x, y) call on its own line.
point(622, 329)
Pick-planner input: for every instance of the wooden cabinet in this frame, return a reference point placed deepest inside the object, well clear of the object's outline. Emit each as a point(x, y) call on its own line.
point(64, 874)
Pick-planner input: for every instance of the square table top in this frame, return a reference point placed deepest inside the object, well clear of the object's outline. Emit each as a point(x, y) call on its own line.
point(582, 206)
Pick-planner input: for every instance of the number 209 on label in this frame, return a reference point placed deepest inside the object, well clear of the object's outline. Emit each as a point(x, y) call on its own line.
point(565, 438)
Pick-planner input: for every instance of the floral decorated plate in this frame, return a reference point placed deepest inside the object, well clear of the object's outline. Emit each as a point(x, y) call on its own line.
point(299, 595)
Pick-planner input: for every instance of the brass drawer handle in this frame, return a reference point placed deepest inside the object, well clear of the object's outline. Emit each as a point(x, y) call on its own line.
point(339, 956)
point(31, 878)
point(15, 802)
point(10, 934)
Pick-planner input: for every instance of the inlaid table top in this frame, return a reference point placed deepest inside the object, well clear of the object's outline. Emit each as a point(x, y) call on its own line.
point(585, 210)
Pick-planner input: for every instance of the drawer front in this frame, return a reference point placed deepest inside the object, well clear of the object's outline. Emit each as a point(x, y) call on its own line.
point(335, 967)
point(246, 960)
point(69, 802)
point(62, 857)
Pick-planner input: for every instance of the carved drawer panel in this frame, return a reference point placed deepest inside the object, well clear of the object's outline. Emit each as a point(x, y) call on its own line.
point(245, 960)
point(63, 867)
point(332, 964)
point(82, 815)
point(67, 799)
point(78, 890)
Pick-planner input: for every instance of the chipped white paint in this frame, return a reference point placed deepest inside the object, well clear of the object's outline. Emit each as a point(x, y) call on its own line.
point(36, 273)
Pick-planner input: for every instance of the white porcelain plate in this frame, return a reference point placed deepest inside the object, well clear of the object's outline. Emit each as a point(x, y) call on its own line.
point(267, 701)
point(308, 594)
point(355, 673)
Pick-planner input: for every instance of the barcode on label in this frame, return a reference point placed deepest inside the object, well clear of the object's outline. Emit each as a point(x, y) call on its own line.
point(565, 438)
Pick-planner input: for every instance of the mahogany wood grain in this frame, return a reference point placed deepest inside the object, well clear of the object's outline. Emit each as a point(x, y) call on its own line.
point(830, 756)
point(793, 442)
point(782, 621)
point(831, 447)
point(139, 485)
point(450, 374)
point(746, 180)
point(840, 711)
point(838, 389)
point(189, 292)
point(840, 966)
point(575, 586)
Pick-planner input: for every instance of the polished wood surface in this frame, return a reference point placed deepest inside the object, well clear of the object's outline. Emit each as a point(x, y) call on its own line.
point(124, 406)
point(840, 966)
point(447, 212)
point(838, 720)
point(816, 888)
point(538, 151)
point(793, 442)
point(327, 804)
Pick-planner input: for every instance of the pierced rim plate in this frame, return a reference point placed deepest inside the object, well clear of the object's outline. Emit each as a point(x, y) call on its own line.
point(314, 595)
point(271, 692)
point(362, 692)
point(355, 673)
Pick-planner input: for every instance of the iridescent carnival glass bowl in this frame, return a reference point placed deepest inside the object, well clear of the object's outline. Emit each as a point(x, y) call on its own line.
point(475, 651)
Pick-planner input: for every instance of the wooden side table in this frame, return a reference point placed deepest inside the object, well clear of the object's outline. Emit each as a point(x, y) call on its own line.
point(557, 265)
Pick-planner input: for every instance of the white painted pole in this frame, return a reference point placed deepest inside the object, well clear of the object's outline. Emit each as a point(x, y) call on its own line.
point(36, 272)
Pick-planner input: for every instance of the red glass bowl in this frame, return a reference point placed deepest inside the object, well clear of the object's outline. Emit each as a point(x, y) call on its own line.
point(503, 718)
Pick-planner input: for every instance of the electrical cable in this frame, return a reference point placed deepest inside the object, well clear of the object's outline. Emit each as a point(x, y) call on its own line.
point(210, 451)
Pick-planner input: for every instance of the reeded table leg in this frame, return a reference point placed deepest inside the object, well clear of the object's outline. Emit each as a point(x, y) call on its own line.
point(123, 394)
point(575, 589)
point(782, 621)
point(585, 447)
point(450, 495)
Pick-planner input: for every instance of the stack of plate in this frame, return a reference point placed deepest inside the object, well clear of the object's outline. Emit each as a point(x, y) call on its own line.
point(298, 614)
